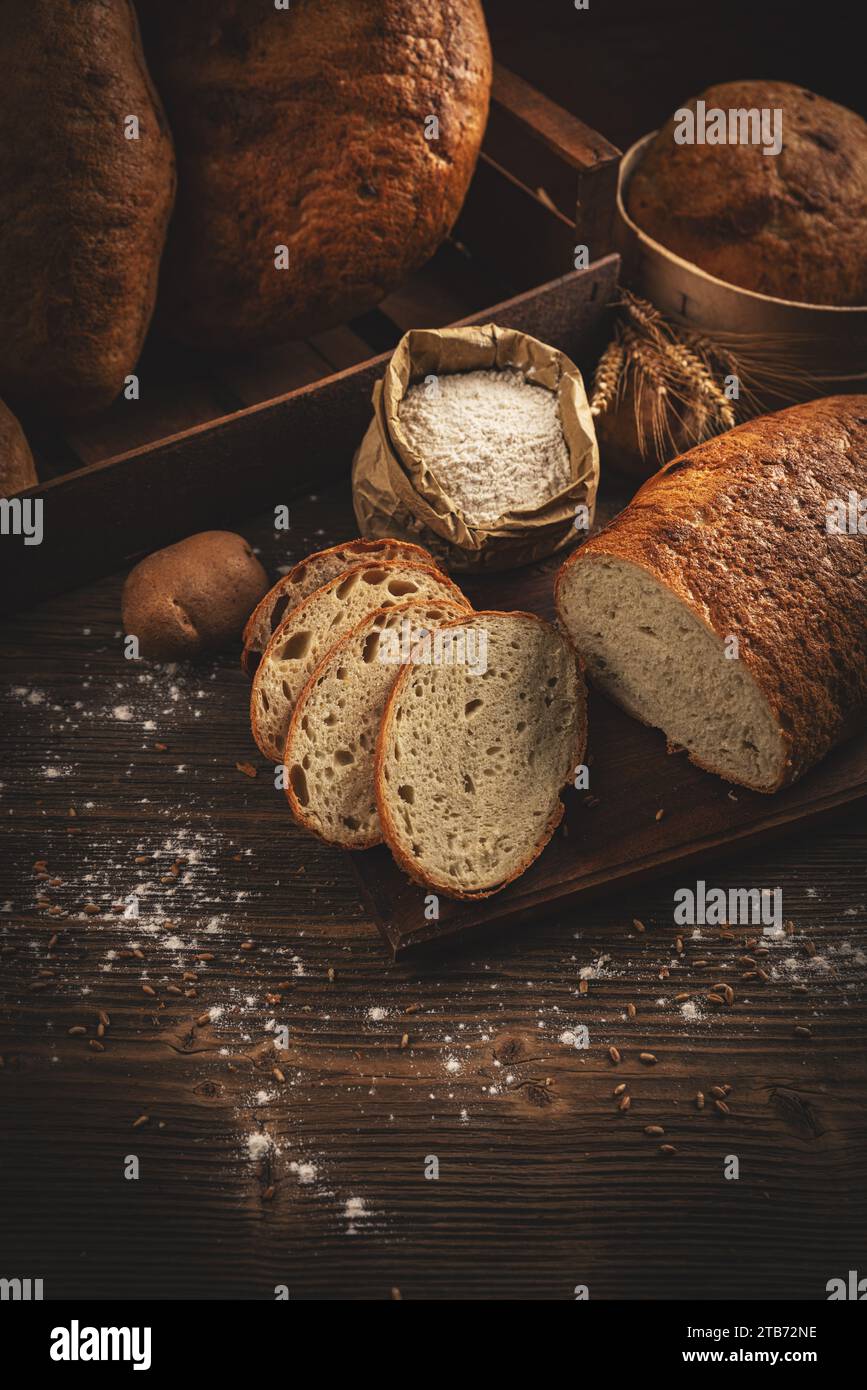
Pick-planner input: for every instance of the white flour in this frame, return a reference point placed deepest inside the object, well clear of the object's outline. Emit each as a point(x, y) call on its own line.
point(492, 439)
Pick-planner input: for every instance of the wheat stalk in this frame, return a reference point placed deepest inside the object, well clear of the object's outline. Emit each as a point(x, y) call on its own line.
point(648, 374)
point(675, 368)
point(693, 363)
point(607, 378)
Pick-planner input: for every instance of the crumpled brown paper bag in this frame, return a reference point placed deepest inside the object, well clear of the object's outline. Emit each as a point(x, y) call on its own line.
point(395, 495)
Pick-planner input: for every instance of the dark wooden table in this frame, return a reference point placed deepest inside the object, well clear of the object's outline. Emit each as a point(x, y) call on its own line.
point(122, 795)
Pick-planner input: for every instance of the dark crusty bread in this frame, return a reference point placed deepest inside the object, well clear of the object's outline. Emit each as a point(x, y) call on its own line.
point(789, 225)
point(304, 126)
point(85, 210)
point(17, 469)
point(470, 763)
point(730, 541)
point(311, 574)
point(332, 735)
point(310, 629)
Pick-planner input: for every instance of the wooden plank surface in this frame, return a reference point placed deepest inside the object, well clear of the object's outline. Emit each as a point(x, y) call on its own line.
point(467, 1055)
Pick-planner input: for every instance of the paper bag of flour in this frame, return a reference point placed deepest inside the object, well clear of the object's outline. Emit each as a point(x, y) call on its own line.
point(514, 480)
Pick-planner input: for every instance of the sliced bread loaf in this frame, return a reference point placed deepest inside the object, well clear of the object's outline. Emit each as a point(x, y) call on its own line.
point(721, 607)
point(305, 635)
point(311, 574)
point(473, 753)
point(331, 742)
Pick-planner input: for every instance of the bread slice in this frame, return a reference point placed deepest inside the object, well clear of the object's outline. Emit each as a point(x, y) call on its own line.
point(331, 742)
point(472, 754)
point(305, 635)
point(311, 574)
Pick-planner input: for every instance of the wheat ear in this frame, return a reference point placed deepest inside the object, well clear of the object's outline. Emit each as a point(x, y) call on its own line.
point(607, 378)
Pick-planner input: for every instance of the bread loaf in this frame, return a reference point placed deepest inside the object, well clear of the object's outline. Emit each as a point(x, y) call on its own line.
point(17, 469)
point(470, 762)
point(85, 208)
point(722, 608)
point(790, 225)
point(306, 634)
point(332, 734)
point(308, 127)
point(311, 574)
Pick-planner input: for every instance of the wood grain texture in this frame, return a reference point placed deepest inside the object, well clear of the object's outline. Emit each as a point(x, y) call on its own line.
point(543, 1183)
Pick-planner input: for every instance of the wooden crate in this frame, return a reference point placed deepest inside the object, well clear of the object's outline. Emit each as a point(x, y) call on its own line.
point(214, 440)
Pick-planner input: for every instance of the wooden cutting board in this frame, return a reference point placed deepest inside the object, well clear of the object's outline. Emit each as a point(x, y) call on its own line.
point(613, 834)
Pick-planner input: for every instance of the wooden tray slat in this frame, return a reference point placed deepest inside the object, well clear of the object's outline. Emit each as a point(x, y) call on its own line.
point(271, 371)
point(163, 409)
point(512, 231)
point(341, 347)
point(555, 155)
point(454, 283)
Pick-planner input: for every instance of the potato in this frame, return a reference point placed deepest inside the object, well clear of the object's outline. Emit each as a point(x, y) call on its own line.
point(85, 208)
point(17, 469)
point(192, 597)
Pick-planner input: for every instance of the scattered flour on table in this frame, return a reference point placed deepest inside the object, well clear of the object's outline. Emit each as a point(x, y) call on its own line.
point(600, 969)
point(354, 1210)
point(492, 439)
point(259, 1145)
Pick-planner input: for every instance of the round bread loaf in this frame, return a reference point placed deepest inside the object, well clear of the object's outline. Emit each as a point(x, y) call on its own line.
point(310, 128)
point(789, 224)
point(192, 597)
point(17, 469)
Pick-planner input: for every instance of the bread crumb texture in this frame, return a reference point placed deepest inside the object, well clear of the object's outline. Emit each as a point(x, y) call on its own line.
point(311, 574)
point(332, 738)
point(471, 761)
point(304, 637)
